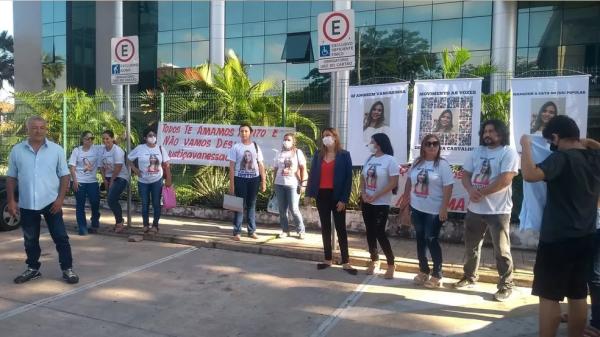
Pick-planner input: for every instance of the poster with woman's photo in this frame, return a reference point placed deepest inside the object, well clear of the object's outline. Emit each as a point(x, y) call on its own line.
point(535, 101)
point(375, 109)
point(451, 110)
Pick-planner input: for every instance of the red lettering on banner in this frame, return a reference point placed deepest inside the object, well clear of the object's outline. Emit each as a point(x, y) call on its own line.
point(183, 155)
point(225, 144)
point(457, 204)
point(196, 142)
point(188, 129)
point(215, 131)
point(170, 141)
point(275, 133)
point(171, 129)
point(259, 133)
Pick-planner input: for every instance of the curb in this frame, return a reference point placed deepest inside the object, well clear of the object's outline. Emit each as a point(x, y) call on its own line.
point(487, 275)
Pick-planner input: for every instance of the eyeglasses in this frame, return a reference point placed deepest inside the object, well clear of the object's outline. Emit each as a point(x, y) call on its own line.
point(432, 144)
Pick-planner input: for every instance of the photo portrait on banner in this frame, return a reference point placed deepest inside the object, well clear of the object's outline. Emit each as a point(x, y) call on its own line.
point(451, 110)
point(535, 100)
point(375, 109)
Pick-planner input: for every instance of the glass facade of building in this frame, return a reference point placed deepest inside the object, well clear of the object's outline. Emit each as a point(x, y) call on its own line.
point(54, 44)
point(81, 45)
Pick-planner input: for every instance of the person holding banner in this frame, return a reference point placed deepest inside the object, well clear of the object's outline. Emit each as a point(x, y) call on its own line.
point(151, 164)
point(330, 183)
point(429, 210)
point(566, 249)
point(115, 174)
point(382, 170)
point(83, 165)
point(374, 121)
point(488, 175)
point(246, 172)
point(546, 113)
point(290, 173)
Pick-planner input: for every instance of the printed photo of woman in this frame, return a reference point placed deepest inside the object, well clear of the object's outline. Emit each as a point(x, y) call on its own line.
point(154, 165)
point(483, 177)
point(246, 164)
point(445, 123)
point(371, 179)
point(422, 185)
point(374, 121)
point(548, 111)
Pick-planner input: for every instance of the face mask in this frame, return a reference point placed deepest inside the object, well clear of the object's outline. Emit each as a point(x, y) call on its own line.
point(287, 144)
point(372, 148)
point(151, 140)
point(328, 141)
point(553, 147)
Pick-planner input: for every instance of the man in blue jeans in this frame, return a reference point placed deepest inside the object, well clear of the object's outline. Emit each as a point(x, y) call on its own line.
point(39, 167)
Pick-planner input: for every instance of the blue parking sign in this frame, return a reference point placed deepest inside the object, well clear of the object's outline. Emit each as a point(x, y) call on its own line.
point(116, 69)
point(325, 50)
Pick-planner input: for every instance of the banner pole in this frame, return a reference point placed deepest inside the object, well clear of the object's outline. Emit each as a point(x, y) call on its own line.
point(64, 122)
point(283, 101)
point(162, 106)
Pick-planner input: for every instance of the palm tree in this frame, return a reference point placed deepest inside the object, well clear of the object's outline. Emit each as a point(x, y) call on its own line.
point(51, 71)
point(7, 60)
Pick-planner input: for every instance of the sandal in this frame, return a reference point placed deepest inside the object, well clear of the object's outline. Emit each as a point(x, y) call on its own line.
point(154, 229)
point(146, 229)
point(324, 265)
point(348, 269)
point(120, 227)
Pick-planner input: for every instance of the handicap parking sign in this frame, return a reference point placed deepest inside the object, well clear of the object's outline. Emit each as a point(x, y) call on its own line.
point(325, 50)
point(116, 69)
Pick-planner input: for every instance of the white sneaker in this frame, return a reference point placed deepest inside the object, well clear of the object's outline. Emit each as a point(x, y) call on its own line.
point(282, 235)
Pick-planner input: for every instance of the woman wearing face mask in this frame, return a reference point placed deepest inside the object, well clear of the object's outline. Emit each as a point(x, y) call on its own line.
point(376, 200)
point(150, 163)
point(115, 174)
point(429, 210)
point(330, 182)
point(83, 165)
point(290, 175)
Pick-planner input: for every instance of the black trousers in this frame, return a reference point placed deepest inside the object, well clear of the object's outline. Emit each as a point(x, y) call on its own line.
point(327, 206)
point(375, 217)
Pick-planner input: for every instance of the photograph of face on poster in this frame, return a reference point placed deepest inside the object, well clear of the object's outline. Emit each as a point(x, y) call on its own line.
point(450, 118)
point(376, 117)
point(445, 120)
point(543, 110)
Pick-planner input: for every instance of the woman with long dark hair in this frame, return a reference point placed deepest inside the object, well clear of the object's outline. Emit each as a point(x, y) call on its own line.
point(330, 183)
point(429, 210)
point(547, 111)
point(115, 174)
point(444, 123)
point(374, 121)
point(83, 165)
point(376, 197)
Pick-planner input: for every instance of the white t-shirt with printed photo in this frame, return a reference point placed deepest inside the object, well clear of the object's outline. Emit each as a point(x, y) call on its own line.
point(377, 172)
point(287, 163)
point(246, 159)
point(150, 161)
point(427, 185)
point(485, 165)
point(85, 163)
point(108, 160)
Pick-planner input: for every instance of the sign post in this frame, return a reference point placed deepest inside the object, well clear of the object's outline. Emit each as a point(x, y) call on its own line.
point(125, 70)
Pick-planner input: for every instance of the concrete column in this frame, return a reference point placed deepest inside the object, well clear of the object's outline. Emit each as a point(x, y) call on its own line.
point(27, 23)
point(504, 42)
point(217, 32)
point(340, 81)
point(109, 24)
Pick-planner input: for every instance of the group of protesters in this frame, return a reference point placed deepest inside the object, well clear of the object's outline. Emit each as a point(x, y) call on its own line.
point(568, 257)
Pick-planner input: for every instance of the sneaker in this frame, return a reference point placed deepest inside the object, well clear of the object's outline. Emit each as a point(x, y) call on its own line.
point(301, 236)
point(70, 277)
point(236, 237)
point(28, 275)
point(503, 294)
point(282, 235)
point(421, 278)
point(253, 236)
point(389, 272)
point(464, 283)
point(433, 283)
point(373, 267)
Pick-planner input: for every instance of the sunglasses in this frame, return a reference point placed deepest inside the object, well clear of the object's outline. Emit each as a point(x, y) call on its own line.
point(430, 144)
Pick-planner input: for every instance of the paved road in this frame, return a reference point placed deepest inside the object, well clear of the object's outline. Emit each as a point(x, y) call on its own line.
point(160, 289)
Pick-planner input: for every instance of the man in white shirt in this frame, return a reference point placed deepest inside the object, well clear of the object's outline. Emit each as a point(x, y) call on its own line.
point(488, 175)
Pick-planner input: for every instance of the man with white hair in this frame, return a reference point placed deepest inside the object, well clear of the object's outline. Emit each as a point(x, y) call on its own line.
point(39, 167)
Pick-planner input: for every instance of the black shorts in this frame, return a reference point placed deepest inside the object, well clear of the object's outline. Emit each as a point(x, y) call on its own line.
point(561, 268)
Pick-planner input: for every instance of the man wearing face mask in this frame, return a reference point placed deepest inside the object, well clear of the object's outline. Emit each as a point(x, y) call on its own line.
point(490, 204)
point(566, 246)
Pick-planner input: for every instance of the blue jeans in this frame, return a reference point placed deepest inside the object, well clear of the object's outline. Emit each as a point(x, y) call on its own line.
point(30, 224)
point(427, 228)
point(147, 191)
point(594, 283)
point(246, 188)
point(89, 191)
point(114, 192)
point(288, 198)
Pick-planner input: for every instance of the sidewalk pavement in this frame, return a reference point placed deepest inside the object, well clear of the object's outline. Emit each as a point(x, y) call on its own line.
point(217, 234)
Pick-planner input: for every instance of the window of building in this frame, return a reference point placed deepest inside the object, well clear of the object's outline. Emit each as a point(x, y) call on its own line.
point(298, 48)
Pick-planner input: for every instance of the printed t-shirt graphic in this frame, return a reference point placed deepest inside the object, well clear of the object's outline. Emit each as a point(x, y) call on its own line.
point(429, 180)
point(287, 164)
point(150, 161)
point(482, 178)
point(421, 188)
point(246, 160)
point(381, 168)
point(371, 179)
point(85, 163)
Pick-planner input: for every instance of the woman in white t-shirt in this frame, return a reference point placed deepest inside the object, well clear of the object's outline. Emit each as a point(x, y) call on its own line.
point(290, 178)
point(429, 206)
point(115, 174)
point(378, 179)
point(83, 165)
point(150, 162)
point(246, 172)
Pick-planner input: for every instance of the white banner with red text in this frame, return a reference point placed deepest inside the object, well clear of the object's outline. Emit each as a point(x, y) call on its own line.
point(209, 144)
point(451, 110)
